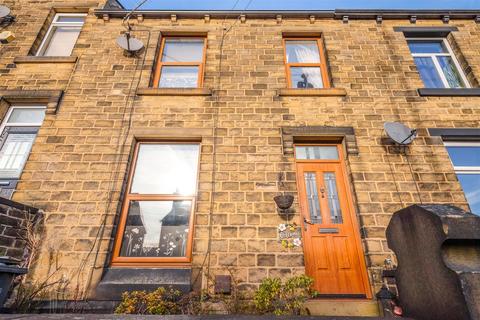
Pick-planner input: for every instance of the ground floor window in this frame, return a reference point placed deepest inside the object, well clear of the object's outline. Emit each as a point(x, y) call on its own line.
point(465, 157)
point(18, 132)
point(157, 214)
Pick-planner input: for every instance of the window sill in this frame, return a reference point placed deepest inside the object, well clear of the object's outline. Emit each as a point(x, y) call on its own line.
point(327, 92)
point(441, 92)
point(35, 59)
point(174, 92)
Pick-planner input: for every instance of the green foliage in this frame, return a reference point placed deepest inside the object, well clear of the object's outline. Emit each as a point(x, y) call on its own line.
point(287, 298)
point(161, 301)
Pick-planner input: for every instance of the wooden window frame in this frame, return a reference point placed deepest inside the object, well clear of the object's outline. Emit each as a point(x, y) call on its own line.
point(118, 260)
point(322, 64)
point(199, 64)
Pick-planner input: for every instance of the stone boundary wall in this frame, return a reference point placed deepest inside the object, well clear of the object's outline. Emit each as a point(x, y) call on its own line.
point(13, 221)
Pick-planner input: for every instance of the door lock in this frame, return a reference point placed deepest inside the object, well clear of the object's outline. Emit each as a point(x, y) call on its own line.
point(322, 191)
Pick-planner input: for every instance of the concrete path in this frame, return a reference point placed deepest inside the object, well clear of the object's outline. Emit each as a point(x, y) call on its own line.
point(138, 317)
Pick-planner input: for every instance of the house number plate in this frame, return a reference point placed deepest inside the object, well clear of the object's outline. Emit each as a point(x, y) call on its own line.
point(328, 230)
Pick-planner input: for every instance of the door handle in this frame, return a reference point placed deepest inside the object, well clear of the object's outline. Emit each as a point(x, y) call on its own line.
point(305, 222)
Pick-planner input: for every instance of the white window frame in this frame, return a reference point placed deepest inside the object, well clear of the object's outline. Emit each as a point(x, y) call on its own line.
point(6, 182)
point(434, 56)
point(463, 169)
point(5, 122)
point(56, 23)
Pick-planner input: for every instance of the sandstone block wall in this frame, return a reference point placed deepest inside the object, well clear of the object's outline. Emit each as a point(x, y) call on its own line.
point(78, 165)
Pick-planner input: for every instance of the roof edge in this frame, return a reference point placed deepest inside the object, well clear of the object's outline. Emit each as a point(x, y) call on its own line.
point(334, 14)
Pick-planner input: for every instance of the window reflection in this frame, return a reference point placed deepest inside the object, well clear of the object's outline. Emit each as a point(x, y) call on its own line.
point(306, 78)
point(181, 63)
point(304, 64)
point(436, 64)
point(156, 219)
point(465, 157)
point(166, 169)
point(156, 229)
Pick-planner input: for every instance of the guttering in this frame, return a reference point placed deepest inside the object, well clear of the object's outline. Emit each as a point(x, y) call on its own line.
point(217, 13)
point(406, 14)
point(333, 14)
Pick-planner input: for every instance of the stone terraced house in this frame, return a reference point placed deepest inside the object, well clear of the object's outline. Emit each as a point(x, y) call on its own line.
point(161, 167)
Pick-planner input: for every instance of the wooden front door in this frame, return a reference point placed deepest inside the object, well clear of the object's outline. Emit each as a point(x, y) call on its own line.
point(333, 253)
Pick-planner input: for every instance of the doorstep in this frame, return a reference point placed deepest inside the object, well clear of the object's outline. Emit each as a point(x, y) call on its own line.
point(343, 307)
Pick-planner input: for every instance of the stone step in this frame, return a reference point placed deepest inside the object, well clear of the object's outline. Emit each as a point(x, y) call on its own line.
point(115, 281)
point(343, 307)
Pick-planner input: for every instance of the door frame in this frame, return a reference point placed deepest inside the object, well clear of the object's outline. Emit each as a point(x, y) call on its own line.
point(349, 198)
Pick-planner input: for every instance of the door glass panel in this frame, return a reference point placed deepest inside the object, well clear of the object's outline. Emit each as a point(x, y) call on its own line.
point(312, 197)
point(332, 196)
point(14, 153)
point(156, 229)
point(166, 169)
point(316, 152)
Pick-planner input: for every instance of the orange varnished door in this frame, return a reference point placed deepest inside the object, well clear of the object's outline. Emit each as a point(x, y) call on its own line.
point(333, 253)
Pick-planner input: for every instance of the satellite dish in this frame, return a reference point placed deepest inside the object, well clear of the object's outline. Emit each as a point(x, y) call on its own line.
point(400, 133)
point(129, 43)
point(4, 11)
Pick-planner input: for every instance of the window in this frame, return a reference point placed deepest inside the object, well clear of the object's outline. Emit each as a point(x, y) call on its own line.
point(305, 63)
point(157, 214)
point(316, 152)
point(437, 64)
point(465, 157)
point(18, 132)
point(180, 63)
point(62, 34)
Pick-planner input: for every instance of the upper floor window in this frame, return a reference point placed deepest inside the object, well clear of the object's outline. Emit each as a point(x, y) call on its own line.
point(437, 64)
point(18, 132)
point(180, 63)
point(306, 64)
point(465, 157)
point(157, 217)
point(62, 34)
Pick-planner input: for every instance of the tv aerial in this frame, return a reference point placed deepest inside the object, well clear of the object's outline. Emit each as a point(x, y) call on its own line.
point(400, 133)
point(127, 41)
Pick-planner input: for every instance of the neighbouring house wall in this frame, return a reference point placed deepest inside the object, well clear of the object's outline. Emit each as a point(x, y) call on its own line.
point(74, 176)
point(13, 228)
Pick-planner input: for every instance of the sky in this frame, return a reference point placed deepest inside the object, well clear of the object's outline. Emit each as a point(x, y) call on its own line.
point(302, 4)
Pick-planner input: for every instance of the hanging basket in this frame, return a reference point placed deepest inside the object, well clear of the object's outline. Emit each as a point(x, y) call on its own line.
point(284, 201)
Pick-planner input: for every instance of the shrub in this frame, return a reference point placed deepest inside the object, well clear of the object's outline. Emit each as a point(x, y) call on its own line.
point(161, 301)
point(287, 298)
